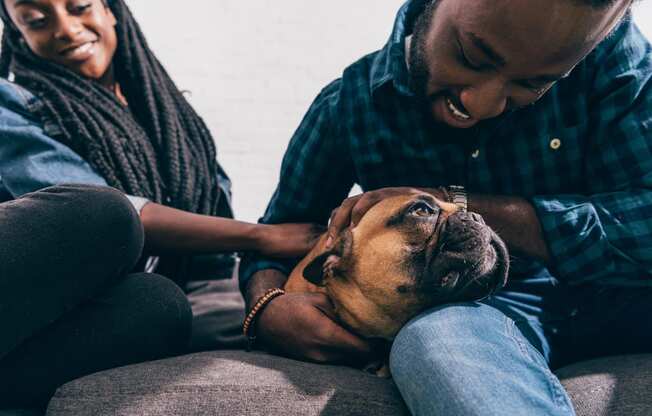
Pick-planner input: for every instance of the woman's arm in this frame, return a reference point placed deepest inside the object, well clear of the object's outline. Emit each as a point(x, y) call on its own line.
point(172, 230)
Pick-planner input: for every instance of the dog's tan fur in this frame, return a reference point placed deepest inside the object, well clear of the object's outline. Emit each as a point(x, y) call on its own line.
point(367, 281)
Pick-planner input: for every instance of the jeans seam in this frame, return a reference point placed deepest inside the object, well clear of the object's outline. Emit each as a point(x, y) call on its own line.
point(554, 385)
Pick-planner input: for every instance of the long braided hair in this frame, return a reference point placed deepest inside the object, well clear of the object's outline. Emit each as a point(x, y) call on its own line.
point(157, 147)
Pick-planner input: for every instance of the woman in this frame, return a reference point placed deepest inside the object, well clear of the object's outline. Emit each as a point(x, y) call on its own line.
point(97, 101)
point(90, 104)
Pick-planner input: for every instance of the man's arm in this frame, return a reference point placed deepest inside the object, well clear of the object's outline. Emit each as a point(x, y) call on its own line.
point(605, 233)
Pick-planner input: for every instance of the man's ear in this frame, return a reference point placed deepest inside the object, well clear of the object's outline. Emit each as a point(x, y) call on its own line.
point(325, 263)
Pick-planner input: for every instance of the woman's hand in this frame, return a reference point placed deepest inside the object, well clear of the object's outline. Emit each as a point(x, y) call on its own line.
point(287, 240)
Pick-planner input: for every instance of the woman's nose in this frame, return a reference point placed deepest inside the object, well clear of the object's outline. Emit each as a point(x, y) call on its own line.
point(486, 99)
point(67, 27)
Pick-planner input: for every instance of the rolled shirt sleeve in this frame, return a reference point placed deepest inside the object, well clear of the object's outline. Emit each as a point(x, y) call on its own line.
point(606, 234)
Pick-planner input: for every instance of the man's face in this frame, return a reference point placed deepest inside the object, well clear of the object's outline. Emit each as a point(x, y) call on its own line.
point(474, 59)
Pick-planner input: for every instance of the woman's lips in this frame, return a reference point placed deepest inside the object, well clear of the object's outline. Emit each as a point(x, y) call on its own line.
point(80, 52)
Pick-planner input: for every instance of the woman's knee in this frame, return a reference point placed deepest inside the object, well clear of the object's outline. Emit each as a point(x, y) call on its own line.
point(161, 310)
point(103, 218)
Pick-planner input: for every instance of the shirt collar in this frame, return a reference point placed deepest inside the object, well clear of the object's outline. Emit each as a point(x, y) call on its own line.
point(389, 63)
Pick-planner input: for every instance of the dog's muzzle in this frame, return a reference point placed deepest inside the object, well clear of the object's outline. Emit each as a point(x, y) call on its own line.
point(469, 258)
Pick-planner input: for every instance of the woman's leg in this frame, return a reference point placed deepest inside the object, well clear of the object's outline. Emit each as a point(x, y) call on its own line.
point(143, 317)
point(59, 247)
point(66, 308)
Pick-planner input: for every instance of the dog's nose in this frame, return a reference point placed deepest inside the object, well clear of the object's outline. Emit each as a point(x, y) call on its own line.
point(477, 217)
point(470, 216)
point(465, 231)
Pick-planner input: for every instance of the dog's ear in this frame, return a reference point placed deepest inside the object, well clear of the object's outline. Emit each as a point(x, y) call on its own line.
point(315, 271)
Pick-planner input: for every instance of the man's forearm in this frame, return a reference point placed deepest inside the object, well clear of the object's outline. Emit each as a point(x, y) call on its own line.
point(515, 220)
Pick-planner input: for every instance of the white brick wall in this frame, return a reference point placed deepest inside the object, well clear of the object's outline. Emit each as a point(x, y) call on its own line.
point(254, 67)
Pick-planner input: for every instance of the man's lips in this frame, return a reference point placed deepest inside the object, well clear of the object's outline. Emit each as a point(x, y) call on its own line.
point(447, 108)
point(457, 108)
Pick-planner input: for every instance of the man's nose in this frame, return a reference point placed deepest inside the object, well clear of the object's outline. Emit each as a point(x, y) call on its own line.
point(485, 99)
point(67, 27)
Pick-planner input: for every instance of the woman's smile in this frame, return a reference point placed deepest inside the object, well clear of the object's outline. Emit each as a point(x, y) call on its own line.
point(79, 52)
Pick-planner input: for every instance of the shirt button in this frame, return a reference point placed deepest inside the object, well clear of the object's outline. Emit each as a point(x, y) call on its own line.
point(555, 144)
point(475, 154)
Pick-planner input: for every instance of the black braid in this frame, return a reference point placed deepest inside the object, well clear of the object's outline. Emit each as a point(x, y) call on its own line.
point(158, 147)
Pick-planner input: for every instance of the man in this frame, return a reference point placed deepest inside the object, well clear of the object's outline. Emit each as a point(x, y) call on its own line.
point(542, 112)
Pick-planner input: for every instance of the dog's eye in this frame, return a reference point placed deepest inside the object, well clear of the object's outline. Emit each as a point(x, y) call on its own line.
point(421, 209)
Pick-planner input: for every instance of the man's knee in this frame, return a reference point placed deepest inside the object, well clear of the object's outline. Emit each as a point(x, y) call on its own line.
point(434, 338)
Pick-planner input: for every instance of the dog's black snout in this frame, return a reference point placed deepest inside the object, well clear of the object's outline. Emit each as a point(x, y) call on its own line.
point(477, 217)
point(470, 216)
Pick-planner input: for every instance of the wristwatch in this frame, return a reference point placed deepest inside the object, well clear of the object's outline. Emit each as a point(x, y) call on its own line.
point(457, 195)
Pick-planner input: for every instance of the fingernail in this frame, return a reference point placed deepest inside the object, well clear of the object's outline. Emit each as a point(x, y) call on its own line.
point(329, 241)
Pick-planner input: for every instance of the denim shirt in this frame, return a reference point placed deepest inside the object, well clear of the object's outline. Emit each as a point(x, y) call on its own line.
point(31, 160)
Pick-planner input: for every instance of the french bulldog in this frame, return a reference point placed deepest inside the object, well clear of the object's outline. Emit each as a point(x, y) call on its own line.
point(406, 254)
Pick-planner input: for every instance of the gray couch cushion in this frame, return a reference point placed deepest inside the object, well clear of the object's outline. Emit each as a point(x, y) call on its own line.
point(613, 386)
point(228, 383)
point(239, 383)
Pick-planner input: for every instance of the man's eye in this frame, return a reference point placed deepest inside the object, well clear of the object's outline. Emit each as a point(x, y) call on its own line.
point(422, 209)
point(464, 60)
point(537, 89)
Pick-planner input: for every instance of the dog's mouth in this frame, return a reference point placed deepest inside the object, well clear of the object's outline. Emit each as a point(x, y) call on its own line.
point(466, 259)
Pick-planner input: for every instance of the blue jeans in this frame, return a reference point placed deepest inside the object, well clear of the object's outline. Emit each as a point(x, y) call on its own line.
point(495, 357)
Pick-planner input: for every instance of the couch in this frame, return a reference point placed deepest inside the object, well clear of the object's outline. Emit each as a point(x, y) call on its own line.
point(234, 382)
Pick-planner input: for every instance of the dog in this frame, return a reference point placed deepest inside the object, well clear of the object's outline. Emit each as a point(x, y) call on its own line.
point(406, 254)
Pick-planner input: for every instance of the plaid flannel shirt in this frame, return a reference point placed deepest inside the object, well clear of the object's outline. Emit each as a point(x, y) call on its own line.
point(582, 154)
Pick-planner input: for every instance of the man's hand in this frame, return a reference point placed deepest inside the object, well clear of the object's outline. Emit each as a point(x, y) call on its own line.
point(302, 326)
point(287, 240)
point(354, 208)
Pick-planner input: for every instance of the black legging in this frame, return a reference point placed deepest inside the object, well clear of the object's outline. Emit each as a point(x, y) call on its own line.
point(68, 306)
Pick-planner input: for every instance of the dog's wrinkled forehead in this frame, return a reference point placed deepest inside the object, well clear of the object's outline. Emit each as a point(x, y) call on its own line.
point(440, 253)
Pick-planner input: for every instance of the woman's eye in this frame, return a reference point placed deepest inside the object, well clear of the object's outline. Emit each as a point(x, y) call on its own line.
point(422, 209)
point(34, 22)
point(81, 8)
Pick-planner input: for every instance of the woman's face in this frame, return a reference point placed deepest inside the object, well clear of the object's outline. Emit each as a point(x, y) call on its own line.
point(77, 34)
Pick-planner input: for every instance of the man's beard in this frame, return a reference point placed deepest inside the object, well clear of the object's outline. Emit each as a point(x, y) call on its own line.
point(419, 73)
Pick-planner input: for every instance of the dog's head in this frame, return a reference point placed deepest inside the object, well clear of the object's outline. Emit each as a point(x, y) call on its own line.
point(406, 254)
